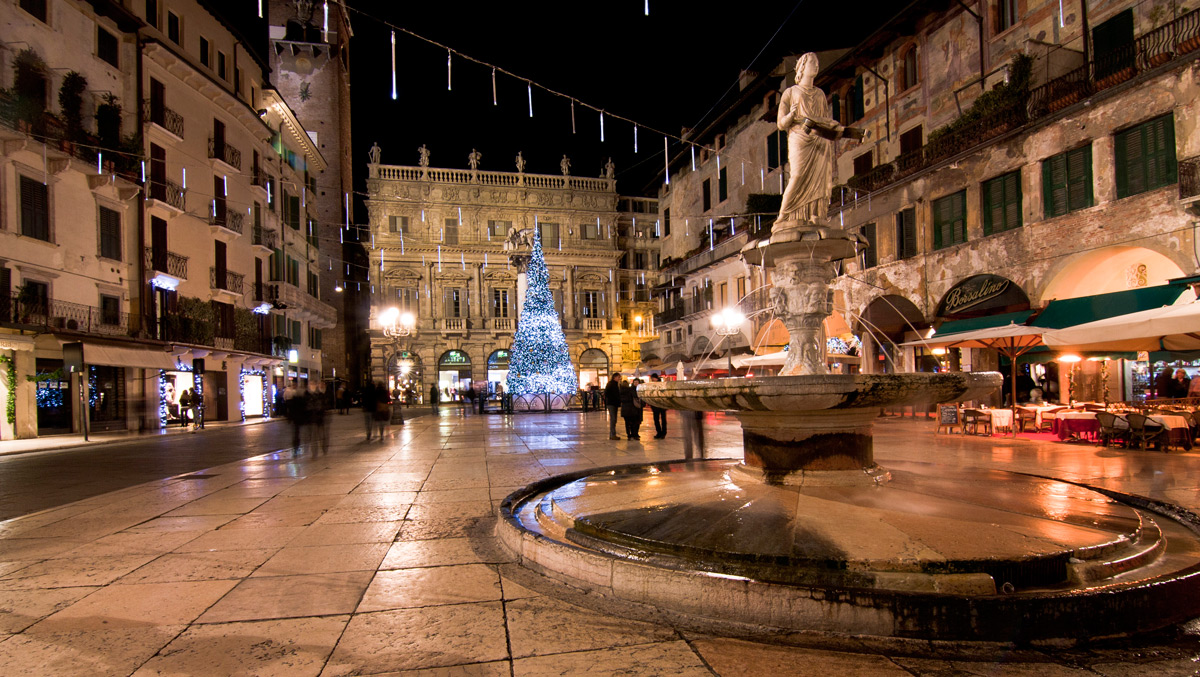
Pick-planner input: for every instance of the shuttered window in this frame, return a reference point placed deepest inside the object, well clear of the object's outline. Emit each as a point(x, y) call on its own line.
point(110, 234)
point(35, 209)
point(868, 259)
point(1002, 203)
point(1067, 181)
point(950, 220)
point(906, 233)
point(858, 107)
point(1145, 156)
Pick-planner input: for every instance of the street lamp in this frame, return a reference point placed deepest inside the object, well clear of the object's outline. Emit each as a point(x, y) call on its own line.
point(396, 324)
point(728, 322)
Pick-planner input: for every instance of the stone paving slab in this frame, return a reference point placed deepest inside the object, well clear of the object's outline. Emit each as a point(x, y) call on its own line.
point(379, 558)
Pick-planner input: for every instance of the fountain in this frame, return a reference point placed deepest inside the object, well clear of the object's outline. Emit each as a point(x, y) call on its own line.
point(808, 533)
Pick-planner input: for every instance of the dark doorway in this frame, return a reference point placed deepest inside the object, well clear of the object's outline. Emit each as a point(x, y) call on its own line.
point(53, 398)
point(106, 398)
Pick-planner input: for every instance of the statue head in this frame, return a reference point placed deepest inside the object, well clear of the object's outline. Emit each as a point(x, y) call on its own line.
point(805, 62)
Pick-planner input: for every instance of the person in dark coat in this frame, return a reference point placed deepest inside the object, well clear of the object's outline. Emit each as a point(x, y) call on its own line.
point(659, 414)
point(369, 402)
point(383, 409)
point(612, 401)
point(631, 409)
point(434, 396)
point(1163, 384)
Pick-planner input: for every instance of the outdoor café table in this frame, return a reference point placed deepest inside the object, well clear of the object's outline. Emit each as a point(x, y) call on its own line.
point(1178, 432)
point(1070, 424)
point(1002, 419)
point(1041, 409)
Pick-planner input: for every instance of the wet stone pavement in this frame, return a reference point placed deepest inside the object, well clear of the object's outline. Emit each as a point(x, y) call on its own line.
point(379, 558)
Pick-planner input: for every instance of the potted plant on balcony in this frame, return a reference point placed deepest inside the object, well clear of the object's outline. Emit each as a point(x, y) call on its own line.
point(108, 122)
point(70, 103)
point(29, 87)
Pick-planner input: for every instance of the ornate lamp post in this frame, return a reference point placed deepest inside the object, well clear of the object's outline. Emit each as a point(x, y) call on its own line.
point(397, 325)
point(728, 322)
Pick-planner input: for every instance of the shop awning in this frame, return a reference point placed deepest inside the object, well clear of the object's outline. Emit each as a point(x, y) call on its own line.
point(1063, 313)
point(121, 356)
point(985, 322)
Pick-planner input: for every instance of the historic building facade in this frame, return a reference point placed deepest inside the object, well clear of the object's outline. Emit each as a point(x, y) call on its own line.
point(154, 185)
point(446, 246)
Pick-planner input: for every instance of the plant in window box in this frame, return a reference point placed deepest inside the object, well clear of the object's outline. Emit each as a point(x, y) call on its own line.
point(30, 303)
point(108, 122)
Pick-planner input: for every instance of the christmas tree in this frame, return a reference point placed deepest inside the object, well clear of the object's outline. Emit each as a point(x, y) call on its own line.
point(539, 362)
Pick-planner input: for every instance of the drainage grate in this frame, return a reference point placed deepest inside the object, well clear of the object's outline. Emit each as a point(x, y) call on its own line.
point(197, 477)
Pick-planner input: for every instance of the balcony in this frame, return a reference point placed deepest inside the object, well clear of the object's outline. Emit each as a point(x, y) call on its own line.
point(258, 179)
point(454, 324)
point(225, 154)
point(503, 324)
point(669, 315)
point(225, 225)
point(730, 246)
point(168, 268)
point(301, 306)
point(225, 288)
point(594, 324)
point(53, 315)
point(165, 118)
point(265, 239)
point(168, 194)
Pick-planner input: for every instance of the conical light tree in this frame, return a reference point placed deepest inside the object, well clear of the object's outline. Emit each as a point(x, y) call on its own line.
point(539, 361)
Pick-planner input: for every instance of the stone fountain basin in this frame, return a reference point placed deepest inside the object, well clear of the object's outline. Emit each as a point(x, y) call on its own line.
point(819, 392)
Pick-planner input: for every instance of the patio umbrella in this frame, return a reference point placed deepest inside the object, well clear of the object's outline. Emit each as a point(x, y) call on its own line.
point(1012, 340)
point(1173, 328)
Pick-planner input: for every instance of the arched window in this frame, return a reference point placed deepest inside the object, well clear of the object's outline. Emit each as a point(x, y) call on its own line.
point(858, 108)
point(908, 72)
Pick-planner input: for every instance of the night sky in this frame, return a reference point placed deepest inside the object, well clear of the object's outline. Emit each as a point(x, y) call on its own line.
point(667, 71)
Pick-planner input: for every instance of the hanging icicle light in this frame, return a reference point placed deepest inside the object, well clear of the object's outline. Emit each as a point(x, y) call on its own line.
point(393, 65)
point(601, 126)
point(99, 159)
point(635, 138)
point(260, 14)
point(529, 90)
point(647, 7)
point(693, 157)
point(666, 160)
point(448, 81)
point(494, 100)
point(572, 116)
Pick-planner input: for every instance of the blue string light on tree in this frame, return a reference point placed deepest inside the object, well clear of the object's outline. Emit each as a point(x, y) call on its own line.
point(539, 360)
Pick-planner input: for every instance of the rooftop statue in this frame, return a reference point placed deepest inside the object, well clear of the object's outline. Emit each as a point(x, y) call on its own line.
point(520, 163)
point(423, 156)
point(375, 153)
point(474, 158)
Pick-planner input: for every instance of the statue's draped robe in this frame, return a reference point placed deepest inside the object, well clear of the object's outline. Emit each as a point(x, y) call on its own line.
point(810, 156)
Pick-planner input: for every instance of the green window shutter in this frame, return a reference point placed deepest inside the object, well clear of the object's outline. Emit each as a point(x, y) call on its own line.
point(1012, 201)
point(1160, 152)
point(1054, 180)
point(993, 206)
point(950, 220)
point(1078, 165)
point(1129, 162)
point(959, 205)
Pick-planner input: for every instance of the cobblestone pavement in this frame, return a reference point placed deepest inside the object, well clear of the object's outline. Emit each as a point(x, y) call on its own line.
point(378, 557)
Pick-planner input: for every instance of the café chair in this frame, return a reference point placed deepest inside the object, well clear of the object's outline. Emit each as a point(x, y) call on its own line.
point(1145, 432)
point(1025, 417)
point(1110, 432)
point(974, 420)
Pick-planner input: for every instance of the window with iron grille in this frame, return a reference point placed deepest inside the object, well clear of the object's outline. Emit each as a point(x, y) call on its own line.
point(1067, 181)
point(950, 220)
point(110, 234)
point(1145, 156)
point(1002, 203)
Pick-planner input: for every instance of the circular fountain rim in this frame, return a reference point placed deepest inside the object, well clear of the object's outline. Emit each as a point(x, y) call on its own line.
point(716, 597)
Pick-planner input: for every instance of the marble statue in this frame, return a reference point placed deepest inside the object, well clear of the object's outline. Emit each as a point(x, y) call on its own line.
point(805, 115)
point(423, 154)
point(565, 166)
point(375, 153)
point(520, 163)
point(474, 158)
point(610, 170)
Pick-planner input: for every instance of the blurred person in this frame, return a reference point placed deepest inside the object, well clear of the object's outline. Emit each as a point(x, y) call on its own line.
point(383, 409)
point(295, 404)
point(369, 400)
point(316, 409)
point(659, 414)
point(434, 396)
point(1180, 385)
point(612, 401)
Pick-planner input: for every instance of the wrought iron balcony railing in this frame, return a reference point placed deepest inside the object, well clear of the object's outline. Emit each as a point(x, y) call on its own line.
point(264, 237)
point(225, 153)
point(164, 117)
point(232, 282)
point(169, 192)
point(53, 314)
point(168, 262)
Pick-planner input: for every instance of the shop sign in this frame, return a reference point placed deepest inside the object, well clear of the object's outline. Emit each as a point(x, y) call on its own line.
point(456, 357)
point(981, 292)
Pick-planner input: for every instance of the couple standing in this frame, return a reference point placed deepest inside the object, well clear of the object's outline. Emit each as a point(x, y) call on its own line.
point(621, 398)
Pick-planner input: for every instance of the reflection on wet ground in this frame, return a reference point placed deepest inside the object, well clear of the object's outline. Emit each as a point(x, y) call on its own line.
point(318, 564)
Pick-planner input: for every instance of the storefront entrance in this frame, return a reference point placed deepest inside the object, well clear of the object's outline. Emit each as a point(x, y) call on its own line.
point(497, 375)
point(454, 374)
point(53, 398)
point(106, 398)
point(253, 390)
point(593, 368)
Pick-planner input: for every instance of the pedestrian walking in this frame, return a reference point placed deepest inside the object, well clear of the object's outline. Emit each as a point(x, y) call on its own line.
point(317, 409)
point(659, 414)
point(433, 398)
point(369, 399)
point(631, 409)
point(612, 401)
point(185, 407)
point(383, 409)
point(691, 424)
point(295, 404)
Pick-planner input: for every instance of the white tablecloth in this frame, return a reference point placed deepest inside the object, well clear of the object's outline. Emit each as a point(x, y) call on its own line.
point(1168, 421)
point(1001, 418)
